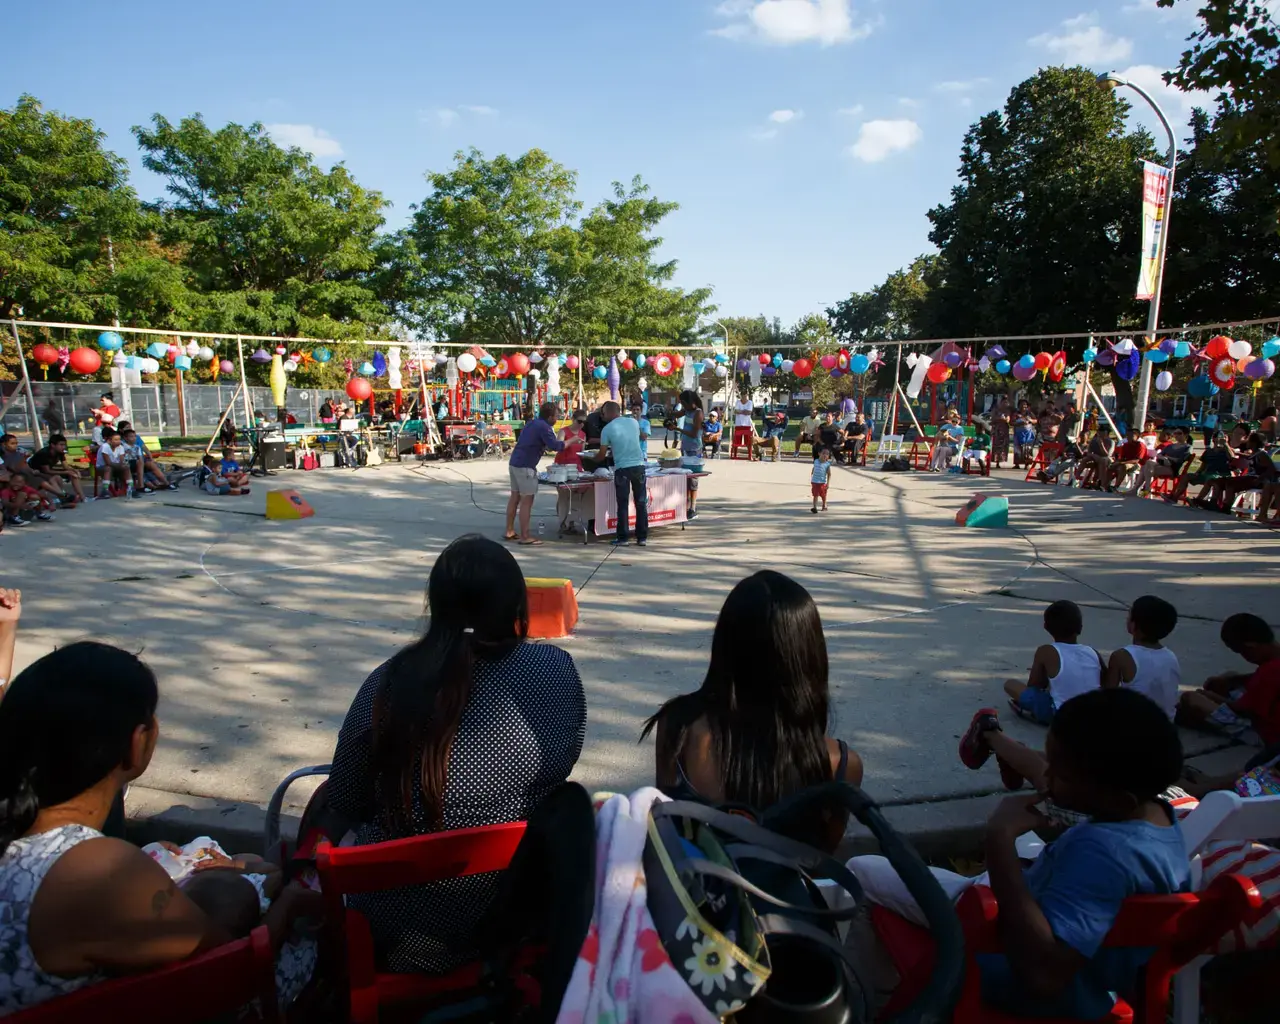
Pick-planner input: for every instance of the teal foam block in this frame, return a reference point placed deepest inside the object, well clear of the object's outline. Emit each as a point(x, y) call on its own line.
point(991, 514)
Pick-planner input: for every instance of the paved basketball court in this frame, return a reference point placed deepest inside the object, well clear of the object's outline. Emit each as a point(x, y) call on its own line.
point(261, 631)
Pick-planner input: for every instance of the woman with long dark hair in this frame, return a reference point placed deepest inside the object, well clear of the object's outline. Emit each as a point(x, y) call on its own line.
point(756, 731)
point(470, 725)
point(76, 727)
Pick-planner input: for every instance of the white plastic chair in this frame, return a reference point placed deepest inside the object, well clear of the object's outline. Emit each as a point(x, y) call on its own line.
point(1221, 816)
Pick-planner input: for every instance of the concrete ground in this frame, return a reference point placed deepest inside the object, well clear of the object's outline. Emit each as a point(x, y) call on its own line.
point(261, 631)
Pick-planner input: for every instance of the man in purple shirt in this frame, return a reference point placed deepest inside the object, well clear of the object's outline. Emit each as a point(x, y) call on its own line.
point(535, 439)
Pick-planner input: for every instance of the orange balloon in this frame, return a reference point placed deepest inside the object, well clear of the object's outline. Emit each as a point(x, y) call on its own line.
point(938, 372)
point(1242, 363)
point(1043, 359)
point(1217, 347)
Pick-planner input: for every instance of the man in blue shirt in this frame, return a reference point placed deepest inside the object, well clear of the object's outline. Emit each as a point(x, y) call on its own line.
point(621, 435)
point(534, 441)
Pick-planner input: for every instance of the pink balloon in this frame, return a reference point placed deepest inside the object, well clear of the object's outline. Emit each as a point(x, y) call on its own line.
point(1023, 372)
point(571, 362)
point(828, 362)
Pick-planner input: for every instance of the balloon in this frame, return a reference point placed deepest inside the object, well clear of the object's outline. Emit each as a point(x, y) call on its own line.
point(708, 363)
point(290, 365)
point(677, 360)
point(744, 365)
point(182, 362)
point(1218, 347)
point(641, 359)
point(836, 373)
point(1090, 354)
point(763, 359)
point(938, 373)
point(1242, 363)
point(952, 359)
point(359, 389)
point(322, 355)
point(1164, 380)
point(1239, 349)
point(722, 371)
point(1182, 349)
point(571, 362)
point(535, 374)
point(1127, 366)
point(777, 359)
point(204, 353)
point(1057, 367)
point(1024, 373)
point(1201, 386)
point(600, 373)
point(1168, 346)
point(45, 355)
point(828, 362)
point(260, 356)
point(802, 368)
point(788, 365)
point(1027, 362)
point(769, 370)
point(150, 366)
point(1003, 366)
point(1270, 348)
point(663, 365)
point(366, 369)
point(110, 341)
point(642, 384)
point(1222, 371)
point(1106, 358)
point(518, 363)
point(1258, 369)
point(466, 363)
point(859, 363)
point(227, 366)
point(1042, 360)
point(628, 364)
point(1155, 355)
point(85, 360)
point(984, 364)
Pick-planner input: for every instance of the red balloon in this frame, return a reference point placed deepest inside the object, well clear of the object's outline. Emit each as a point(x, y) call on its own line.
point(44, 354)
point(359, 389)
point(518, 363)
point(1217, 347)
point(802, 368)
point(85, 360)
point(938, 372)
point(764, 358)
point(677, 360)
point(828, 362)
point(1043, 359)
point(628, 364)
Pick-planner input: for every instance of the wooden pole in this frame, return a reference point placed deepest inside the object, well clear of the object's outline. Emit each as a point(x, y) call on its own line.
point(244, 386)
point(182, 405)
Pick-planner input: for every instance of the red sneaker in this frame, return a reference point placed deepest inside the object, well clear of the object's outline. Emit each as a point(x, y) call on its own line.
point(974, 751)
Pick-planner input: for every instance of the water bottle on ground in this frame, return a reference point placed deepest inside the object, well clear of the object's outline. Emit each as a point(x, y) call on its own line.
point(128, 491)
point(542, 528)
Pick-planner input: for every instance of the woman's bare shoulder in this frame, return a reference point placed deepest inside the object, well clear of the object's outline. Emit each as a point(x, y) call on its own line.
point(853, 766)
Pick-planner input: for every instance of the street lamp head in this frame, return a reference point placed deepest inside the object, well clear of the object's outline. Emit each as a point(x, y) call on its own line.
point(1110, 80)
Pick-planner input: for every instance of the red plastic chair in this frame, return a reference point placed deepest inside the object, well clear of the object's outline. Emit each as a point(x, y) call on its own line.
point(1045, 454)
point(391, 865)
point(213, 984)
point(1178, 927)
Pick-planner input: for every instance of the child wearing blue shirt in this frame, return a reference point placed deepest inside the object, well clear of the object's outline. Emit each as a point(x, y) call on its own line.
point(230, 469)
point(820, 479)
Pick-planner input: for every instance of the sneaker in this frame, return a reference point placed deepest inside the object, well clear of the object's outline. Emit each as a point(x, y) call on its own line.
point(147, 489)
point(974, 751)
point(618, 543)
point(44, 517)
point(691, 516)
point(642, 543)
point(814, 511)
point(15, 521)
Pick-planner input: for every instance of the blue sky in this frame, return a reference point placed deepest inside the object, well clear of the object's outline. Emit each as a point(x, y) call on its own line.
point(804, 139)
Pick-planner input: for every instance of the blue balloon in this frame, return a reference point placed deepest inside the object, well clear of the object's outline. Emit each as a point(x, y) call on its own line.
point(132, 363)
point(182, 363)
point(1090, 354)
point(721, 358)
point(601, 372)
point(488, 361)
point(1154, 355)
point(777, 359)
point(321, 355)
point(1004, 366)
point(157, 350)
point(859, 363)
point(641, 360)
point(1027, 361)
point(1201, 387)
point(835, 372)
point(1270, 348)
point(562, 359)
point(1182, 349)
point(109, 341)
point(366, 369)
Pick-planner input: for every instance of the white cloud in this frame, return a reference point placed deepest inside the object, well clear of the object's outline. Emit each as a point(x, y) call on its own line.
point(316, 141)
point(908, 102)
point(880, 139)
point(957, 88)
point(783, 116)
point(786, 22)
point(480, 110)
point(764, 134)
point(1081, 41)
point(1175, 103)
point(443, 116)
point(853, 111)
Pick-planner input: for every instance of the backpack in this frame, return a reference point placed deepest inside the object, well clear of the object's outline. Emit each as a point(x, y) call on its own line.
point(734, 900)
point(896, 464)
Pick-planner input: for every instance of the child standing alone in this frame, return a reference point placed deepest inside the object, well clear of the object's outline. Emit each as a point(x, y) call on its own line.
point(1061, 670)
point(821, 479)
point(1146, 665)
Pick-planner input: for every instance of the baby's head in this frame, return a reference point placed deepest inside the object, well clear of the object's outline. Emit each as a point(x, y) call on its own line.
point(227, 897)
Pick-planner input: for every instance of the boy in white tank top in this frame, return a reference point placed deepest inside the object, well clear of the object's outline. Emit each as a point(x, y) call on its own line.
point(1060, 670)
point(1146, 665)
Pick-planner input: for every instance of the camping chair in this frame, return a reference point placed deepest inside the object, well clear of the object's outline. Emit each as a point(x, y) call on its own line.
point(391, 865)
point(1176, 927)
point(1221, 816)
point(216, 984)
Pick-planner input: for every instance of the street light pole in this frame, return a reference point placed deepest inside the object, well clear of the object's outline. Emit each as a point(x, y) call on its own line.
point(1112, 80)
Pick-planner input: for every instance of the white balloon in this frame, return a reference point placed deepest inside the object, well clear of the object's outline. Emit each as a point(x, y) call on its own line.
point(622, 355)
point(205, 353)
point(1124, 346)
point(642, 384)
point(984, 364)
point(1239, 349)
point(466, 362)
point(535, 357)
point(441, 359)
point(787, 365)
point(535, 374)
point(874, 354)
point(193, 348)
point(722, 371)
point(918, 376)
point(708, 363)
point(1164, 380)
point(150, 365)
point(290, 366)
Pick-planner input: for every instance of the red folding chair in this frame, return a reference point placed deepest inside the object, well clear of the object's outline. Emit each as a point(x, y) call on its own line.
point(1179, 928)
point(217, 983)
point(1045, 454)
point(414, 861)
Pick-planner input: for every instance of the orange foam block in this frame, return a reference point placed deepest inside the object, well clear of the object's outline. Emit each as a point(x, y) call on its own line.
point(553, 608)
point(288, 505)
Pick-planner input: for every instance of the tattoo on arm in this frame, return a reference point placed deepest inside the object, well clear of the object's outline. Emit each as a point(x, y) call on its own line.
point(162, 898)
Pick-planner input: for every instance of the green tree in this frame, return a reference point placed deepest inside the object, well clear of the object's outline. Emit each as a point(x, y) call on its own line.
point(1042, 232)
point(498, 253)
point(63, 198)
point(269, 242)
point(1236, 54)
point(891, 310)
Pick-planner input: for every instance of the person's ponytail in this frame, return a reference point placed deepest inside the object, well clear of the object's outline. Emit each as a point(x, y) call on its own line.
point(19, 806)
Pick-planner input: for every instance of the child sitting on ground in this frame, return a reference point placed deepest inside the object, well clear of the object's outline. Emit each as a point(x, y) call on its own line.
point(1109, 757)
point(1060, 671)
point(821, 479)
point(1239, 704)
point(21, 503)
point(1145, 665)
point(213, 482)
point(230, 469)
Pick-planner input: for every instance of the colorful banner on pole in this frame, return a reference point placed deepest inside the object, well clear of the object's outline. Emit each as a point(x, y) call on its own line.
point(1155, 204)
